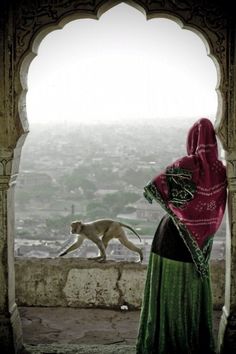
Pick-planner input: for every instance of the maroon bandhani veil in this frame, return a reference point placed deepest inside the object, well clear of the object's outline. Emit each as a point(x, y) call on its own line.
point(193, 192)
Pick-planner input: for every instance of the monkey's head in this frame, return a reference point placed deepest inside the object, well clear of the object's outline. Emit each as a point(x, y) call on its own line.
point(76, 227)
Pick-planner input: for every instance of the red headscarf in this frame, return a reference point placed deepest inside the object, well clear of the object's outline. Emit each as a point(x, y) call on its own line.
point(193, 188)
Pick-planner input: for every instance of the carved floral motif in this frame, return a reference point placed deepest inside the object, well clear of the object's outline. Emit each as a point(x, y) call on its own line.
point(33, 15)
point(5, 172)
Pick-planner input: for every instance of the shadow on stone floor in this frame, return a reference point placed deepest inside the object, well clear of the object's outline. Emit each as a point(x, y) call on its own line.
point(84, 331)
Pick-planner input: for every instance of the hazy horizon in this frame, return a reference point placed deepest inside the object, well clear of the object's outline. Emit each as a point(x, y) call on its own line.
point(185, 122)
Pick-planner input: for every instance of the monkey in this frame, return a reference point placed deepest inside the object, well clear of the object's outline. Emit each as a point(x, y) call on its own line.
point(105, 228)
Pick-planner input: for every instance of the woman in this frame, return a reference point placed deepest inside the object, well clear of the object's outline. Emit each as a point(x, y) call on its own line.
point(176, 315)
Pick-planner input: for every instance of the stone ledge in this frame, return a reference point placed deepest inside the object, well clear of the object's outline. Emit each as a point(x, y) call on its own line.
point(77, 282)
point(82, 349)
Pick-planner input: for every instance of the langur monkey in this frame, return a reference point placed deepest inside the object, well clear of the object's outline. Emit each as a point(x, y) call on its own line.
point(105, 228)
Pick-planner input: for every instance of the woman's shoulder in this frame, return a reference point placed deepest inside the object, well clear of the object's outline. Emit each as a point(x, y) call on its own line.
point(189, 163)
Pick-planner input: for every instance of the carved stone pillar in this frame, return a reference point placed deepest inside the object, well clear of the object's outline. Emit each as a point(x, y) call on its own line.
point(10, 326)
point(10, 131)
point(227, 330)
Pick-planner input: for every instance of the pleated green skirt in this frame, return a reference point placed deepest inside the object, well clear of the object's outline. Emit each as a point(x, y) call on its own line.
point(176, 315)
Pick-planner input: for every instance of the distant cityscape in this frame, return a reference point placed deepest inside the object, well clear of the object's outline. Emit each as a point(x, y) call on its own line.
point(88, 172)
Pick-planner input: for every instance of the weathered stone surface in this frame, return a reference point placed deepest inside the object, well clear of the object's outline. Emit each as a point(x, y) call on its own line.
point(46, 330)
point(82, 349)
point(91, 287)
point(131, 285)
point(77, 282)
point(60, 325)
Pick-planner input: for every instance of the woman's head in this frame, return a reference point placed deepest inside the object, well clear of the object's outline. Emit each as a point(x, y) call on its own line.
point(201, 140)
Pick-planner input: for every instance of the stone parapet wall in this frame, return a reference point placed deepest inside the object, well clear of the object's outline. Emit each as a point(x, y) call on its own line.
point(75, 282)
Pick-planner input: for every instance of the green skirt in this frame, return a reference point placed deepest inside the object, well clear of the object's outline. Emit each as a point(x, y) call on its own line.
point(176, 315)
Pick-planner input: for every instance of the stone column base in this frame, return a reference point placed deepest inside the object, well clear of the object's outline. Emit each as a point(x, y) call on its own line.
point(229, 341)
point(10, 332)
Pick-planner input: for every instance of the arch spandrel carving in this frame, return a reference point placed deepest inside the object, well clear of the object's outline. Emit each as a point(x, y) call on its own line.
point(34, 19)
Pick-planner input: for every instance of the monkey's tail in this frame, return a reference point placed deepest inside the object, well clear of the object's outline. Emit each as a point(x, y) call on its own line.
point(130, 228)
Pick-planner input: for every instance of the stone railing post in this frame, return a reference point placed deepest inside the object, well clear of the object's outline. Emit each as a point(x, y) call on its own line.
point(227, 330)
point(10, 133)
point(10, 326)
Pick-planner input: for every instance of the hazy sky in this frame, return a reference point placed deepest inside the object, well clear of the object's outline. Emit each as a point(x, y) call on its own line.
point(121, 67)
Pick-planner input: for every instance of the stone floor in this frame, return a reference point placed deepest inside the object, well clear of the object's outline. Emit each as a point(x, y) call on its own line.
point(84, 331)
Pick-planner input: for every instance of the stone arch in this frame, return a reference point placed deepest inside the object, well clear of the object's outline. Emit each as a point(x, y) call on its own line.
point(30, 21)
point(209, 26)
point(34, 22)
